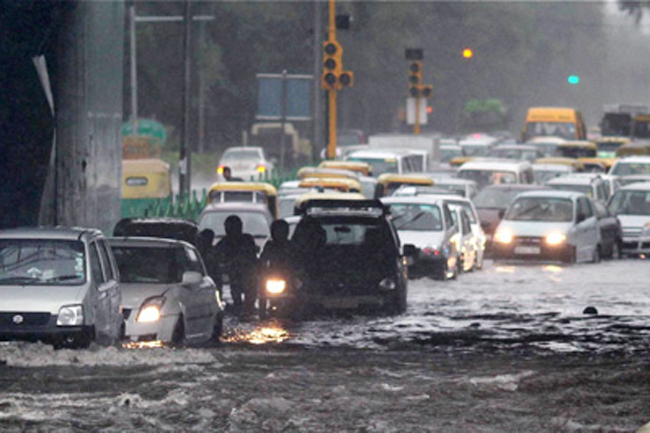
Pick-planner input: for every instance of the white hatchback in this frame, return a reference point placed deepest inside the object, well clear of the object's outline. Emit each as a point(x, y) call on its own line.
point(247, 163)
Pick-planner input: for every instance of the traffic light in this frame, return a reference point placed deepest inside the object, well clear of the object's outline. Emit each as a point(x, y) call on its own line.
point(573, 79)
point(332, 64)
point(468, 53)
point(346, 79)
point(415, 78)
point(426, 90)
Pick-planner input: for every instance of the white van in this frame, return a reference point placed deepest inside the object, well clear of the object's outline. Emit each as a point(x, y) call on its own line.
point(59, 286)
point(388, 161)
point(492, 171)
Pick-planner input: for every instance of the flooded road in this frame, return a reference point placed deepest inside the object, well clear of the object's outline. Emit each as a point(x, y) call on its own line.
point(505, 349)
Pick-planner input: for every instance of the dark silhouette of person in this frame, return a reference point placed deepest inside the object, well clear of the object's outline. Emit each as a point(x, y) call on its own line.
point(227, 175)
point(237, 257)
point(307, 240)
point(278, 257)
point(205, 245)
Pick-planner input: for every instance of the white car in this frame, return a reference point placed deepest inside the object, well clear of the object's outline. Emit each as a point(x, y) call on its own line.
point(631, 204)
point(59, 286)
point(246, 163)
point(466, 238)
point(427, 223)
point(549, 225)
point(167, 295)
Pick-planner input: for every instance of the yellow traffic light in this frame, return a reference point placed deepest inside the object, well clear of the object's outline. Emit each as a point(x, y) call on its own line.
point(468, 53)
point(426, 90)
point(332, 64)
point(346, 79)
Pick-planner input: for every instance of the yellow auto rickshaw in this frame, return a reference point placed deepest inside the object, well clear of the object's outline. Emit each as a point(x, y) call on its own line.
point(573, 162)
point(460, 160)
point(357, 166)
point(335, 183)
point(634, 148)
point(388, 183)
point(577, 149)
point(607, 146)
point(145, 182)
point(315, 196)
point(254, 192)
point(597, 165)
point(307, 172)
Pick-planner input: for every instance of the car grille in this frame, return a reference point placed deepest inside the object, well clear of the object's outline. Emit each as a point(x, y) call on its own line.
point(631, 232)
point(28, 319)
point(527, 240)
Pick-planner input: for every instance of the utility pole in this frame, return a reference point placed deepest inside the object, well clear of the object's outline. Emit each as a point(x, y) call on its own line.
point(334, 78)
point(317, 137)
point(185, 154)
point(133, 66)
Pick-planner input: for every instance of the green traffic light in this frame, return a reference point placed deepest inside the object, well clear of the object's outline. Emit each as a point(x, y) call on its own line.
point(573, 79)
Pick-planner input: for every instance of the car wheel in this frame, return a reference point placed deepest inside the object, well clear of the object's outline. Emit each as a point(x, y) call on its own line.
point(178, 336)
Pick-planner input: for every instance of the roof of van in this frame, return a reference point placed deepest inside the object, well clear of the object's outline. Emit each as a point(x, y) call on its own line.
point(379, 153)
point(494, 164)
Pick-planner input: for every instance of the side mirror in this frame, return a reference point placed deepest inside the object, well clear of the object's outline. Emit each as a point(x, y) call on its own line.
point(410, 250)
point(192, 278)
point(581, 217)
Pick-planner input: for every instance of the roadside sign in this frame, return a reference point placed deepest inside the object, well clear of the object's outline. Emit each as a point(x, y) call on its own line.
point(410, 111)
point(297, 97)
point(147, 128)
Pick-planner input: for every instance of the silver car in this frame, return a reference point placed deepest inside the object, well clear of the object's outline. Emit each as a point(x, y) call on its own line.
point(59, 286)
point(167, 295)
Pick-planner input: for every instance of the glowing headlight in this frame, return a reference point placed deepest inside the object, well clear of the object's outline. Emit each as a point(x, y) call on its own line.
point(150, 310)
point(503, 237)
point(387, 284)
point(70, 315)
point(555, 238)
point(276, 286)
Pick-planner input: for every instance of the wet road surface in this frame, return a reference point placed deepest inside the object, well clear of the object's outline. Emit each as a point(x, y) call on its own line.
point(504, 349)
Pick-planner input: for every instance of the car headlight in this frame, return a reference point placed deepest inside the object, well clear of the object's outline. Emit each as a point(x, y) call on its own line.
point(150, 310)
point(555, 238)
point(503, 237)
point(70, 315)
point(275, 286)
point(387, 284)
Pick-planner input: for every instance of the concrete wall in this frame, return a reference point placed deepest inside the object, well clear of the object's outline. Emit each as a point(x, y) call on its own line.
point(88, 106)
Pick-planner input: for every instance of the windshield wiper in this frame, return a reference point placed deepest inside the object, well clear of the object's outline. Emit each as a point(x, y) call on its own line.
point(18, 280)
point(64, 278)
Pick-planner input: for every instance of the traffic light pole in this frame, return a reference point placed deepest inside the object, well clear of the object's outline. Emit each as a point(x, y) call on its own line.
point(416, 126)
point(331, 93)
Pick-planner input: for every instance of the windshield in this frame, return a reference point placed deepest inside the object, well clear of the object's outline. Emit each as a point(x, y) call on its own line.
point(542, 176)
point(547, 209)
point(255, 223)
point(238, 155)
point(415, 216)
point(154, 265)
point(379, 165)
point(630, 168)
point(585, 189)
point(488, 177)
point(498, 198)
point(576, 152)
point(630, 202)
point(37, 262)
point(550, 129)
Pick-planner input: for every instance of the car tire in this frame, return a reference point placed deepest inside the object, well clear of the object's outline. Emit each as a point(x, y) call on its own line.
point(178, 336)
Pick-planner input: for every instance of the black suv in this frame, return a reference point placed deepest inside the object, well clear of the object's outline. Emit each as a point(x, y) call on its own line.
point(355, 260)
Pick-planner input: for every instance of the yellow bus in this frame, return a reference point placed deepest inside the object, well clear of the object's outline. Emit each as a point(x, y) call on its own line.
point(560, 122)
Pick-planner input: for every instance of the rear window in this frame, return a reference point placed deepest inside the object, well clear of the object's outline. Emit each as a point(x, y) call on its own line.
point(38, 262)
point(417, 217)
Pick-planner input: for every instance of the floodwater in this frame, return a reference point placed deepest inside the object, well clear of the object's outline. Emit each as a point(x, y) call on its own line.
point(505, 349)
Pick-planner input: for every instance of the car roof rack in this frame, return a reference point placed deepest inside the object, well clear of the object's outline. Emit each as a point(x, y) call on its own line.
point(372, 207)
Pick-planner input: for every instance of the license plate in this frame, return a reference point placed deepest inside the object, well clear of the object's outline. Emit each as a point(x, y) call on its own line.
point(341, 303)
point(527, 250)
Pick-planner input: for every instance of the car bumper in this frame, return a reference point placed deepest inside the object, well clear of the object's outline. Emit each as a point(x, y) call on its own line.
point(160, 330)
point(38, 327)
point(563, 253)
point(635, 246)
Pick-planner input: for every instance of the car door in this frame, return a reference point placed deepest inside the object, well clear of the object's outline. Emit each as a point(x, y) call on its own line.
point(102, 294)
point(607, 224)
point(452, 241)
point(588, 232)
point(112, 288)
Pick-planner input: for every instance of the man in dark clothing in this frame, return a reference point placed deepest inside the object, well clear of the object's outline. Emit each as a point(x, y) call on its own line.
point(205, 245)
point(236, 255)
point(277, 259)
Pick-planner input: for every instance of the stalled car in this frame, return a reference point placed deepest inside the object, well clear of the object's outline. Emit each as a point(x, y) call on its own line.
point(426, 222)
point(59, 286)
point(549, 225)
point(167, 295)
point(631, 204)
